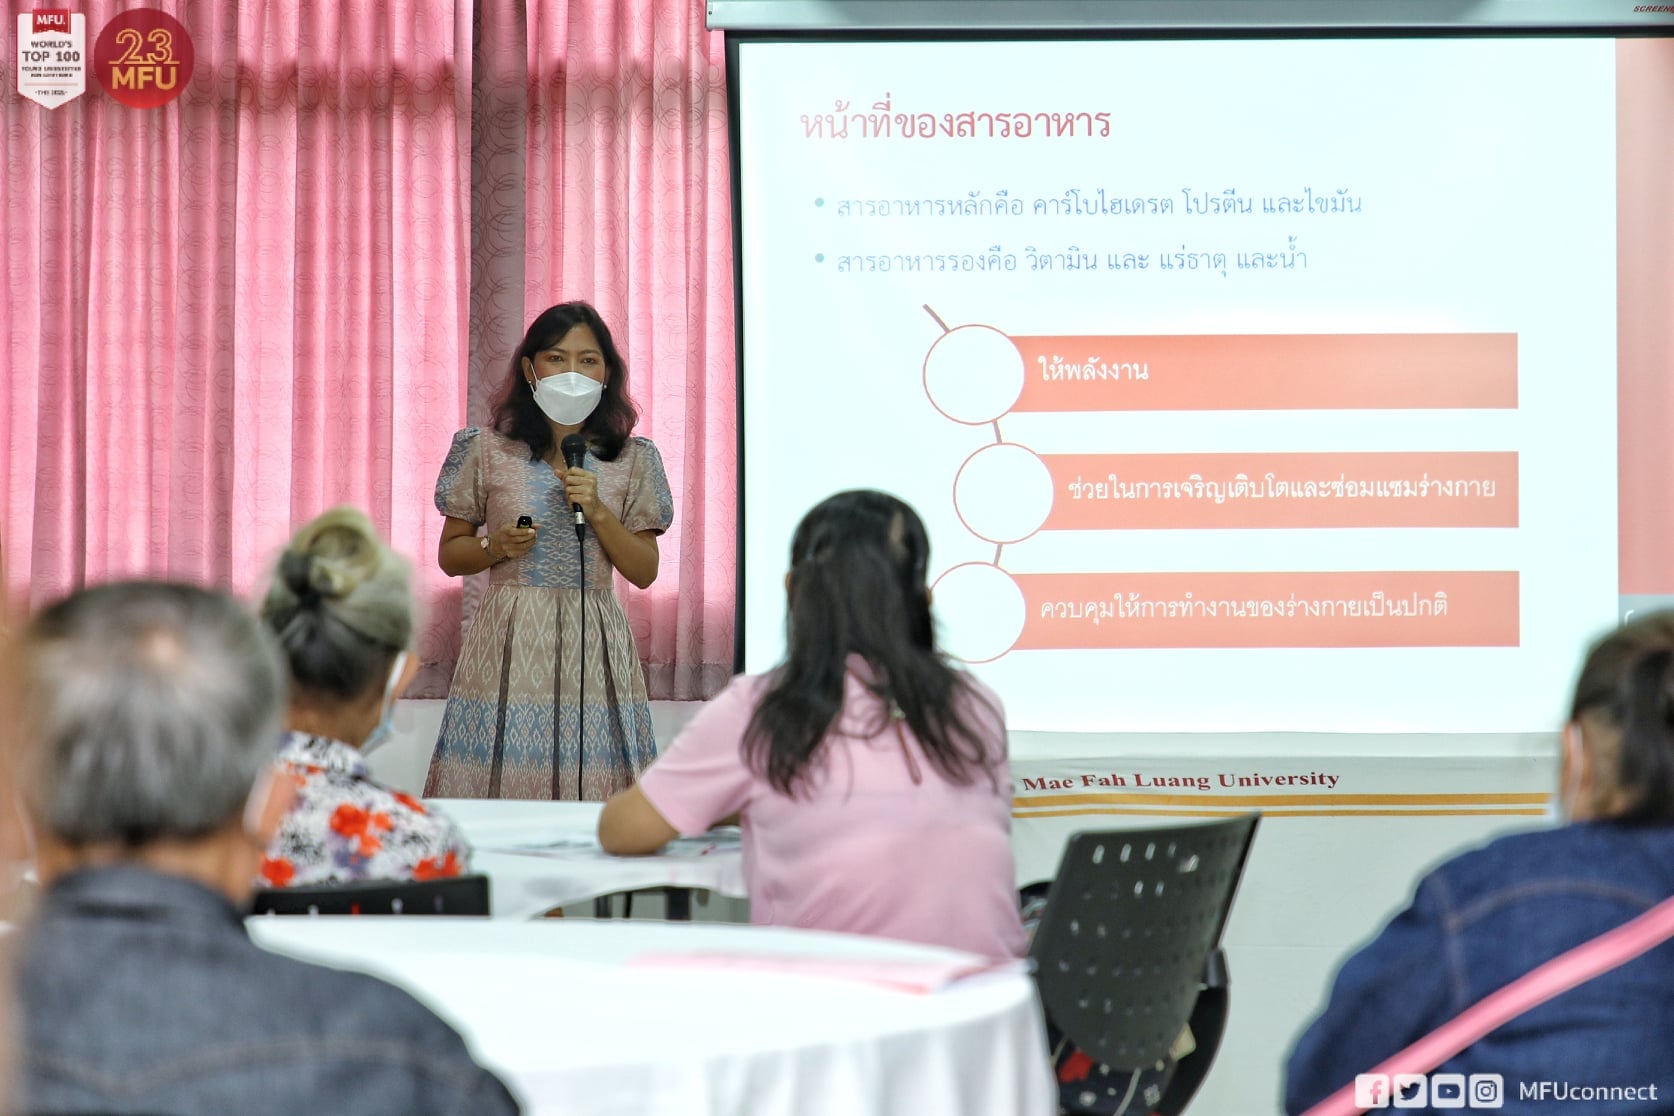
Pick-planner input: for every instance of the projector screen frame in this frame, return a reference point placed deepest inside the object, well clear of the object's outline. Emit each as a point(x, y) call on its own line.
point(1214, 17)
point(863, 21)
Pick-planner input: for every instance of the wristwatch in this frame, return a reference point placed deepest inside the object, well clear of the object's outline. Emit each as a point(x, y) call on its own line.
point(484, 540)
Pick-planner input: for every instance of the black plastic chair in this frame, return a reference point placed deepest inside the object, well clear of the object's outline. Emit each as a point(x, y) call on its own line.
point(459, 895)
point(1127, 952)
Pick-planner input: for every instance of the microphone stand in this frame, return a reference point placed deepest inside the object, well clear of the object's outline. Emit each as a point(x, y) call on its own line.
point(574, 449)
point(581, 663)
point(581, 666)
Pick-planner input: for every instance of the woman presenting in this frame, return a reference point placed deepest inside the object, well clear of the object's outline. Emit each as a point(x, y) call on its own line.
point(515, 725)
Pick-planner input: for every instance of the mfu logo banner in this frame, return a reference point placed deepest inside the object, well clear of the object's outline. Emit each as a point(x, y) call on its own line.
point(143, 57)
point(51, 55)
point(1436, 1090)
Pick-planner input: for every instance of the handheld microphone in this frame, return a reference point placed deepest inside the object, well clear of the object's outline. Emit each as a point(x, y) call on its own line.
point(574, 449)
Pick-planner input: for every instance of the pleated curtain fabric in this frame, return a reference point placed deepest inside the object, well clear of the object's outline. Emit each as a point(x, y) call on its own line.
point(286, 288)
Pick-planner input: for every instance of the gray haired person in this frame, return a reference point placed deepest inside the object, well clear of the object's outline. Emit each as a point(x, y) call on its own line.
point(152, 715)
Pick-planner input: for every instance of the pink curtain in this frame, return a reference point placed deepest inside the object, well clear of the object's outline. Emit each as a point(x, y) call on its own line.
point(232, 312)
point(287, 288)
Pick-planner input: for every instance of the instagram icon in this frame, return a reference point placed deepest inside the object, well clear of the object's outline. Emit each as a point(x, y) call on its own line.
point(1487, 1090)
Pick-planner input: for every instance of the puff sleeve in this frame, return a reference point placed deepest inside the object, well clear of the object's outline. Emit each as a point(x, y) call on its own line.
point(649, 505)
point(461, 491)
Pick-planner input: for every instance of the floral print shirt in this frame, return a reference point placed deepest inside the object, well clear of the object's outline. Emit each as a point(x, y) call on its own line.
point(345, 826)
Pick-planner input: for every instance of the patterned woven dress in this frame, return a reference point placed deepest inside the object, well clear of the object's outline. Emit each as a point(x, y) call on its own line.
point(511, 727)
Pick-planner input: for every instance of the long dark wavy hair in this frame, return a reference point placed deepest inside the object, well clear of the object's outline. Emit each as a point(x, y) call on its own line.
point(1627, 682)
point(857, 587)
point(517, 415)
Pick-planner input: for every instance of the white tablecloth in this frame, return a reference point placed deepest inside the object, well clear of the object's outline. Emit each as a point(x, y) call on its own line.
point(560, 861)
point(554, 1008)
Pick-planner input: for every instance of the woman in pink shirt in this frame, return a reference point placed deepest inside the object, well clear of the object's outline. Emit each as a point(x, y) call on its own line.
point(869, 776)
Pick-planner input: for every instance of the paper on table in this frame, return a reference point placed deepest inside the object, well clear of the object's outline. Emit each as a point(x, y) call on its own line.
point(585, 846)
point(914, 975)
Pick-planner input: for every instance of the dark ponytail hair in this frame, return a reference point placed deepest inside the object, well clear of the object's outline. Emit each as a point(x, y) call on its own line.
point(1627, 681)
point(518, 416)
point(857, 587)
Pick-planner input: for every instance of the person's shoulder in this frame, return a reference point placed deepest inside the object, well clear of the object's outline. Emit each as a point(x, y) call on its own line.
point(465, 444)
point(749, 683)
point(407, 813)
point(1535, 848)
point(1514, 853)
point(637, 447)
point(488, 439)
point(398, 797)
point(742, 692)
point(1586, 857)
point(753, 687)
point(722, 717)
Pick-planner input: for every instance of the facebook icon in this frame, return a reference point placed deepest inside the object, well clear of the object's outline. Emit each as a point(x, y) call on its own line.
point(1371, 1090)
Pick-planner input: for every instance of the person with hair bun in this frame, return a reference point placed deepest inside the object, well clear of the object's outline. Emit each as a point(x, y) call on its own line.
point(549, 700)
point(868, 774)
point(1489, 916)
point(341, 608)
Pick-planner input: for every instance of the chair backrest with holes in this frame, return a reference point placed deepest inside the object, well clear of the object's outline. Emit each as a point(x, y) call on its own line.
point(459, 895)
point(1129, 924)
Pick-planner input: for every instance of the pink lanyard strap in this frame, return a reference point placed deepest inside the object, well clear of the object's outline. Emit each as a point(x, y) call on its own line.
point(1576, 966)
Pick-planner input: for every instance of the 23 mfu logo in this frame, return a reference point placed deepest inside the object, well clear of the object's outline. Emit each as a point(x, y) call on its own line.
point(143, 58)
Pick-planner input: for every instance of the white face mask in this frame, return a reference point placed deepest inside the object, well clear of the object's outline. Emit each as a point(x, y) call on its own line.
point(385, 729)
point(568, 397)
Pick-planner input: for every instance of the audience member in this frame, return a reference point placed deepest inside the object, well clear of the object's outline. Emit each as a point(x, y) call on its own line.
point(342, 609)
point(1491, 915)
point(151, 727)
point(869, 776)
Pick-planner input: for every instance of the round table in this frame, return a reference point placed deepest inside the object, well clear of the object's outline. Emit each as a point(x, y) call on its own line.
point(574, 1018)
point(540, 855)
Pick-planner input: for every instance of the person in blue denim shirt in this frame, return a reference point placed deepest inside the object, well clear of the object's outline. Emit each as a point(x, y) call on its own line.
point(153, 714)
point(1489, 916)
